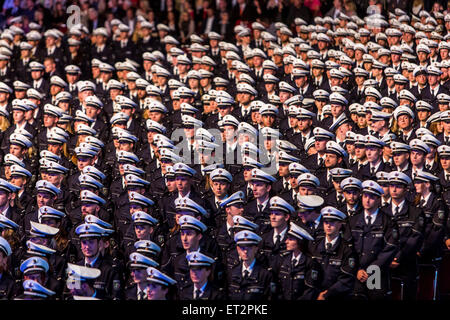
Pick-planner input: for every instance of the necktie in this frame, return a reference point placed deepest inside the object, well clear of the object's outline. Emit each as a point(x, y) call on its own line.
point(447, 177)
point(396, 211)
point(329, 246)
point(303, 140)
point(249, 192)
point(218, 204)
point(197, 294)
point(422, 203)
point(428, 167)
point(320, 162)
point(294, 263)
point(278, 240)
point(286, 185)
point(260, 208)
point(339, 198)
point(447, 139)
point(141, 295)
point(372, 171)
point(246, 274)
point(86, 264)
point(369, 220)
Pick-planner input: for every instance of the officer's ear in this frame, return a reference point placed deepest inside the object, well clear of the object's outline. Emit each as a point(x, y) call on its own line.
point(200, 236)
point(269, 187)
point(97, 209)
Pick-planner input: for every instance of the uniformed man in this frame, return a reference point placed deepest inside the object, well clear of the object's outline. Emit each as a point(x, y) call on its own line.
point(248, 280)
point(375, 241)
point(332, 275)
point(200, 286)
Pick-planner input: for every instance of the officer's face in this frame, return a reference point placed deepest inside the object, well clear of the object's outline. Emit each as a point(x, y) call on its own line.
point(397, 191)
point(332, 160)
point(54, 178)
point(304, 124)
point(171, 185)
point(417, 157)
point(89, 247)
point(18, 116)
point(351, 196)
point(199, 275)
point(36, 74)
point(373, 154)
point(235, 209)
point(143, 231)
point(156, 116)
point(36, 276)
point(278, 219)
point(89, 208)
point(421, 186)
point(138, 275)
point(4, 198)
point(49, 121)
point(400, 158)
point(183, 183)
point(291, 243)
point(83, 162)
point(268, 120)
point(260, 189)
point(220, 188)
point(190, 239)
point(229, 133)
point(445, 163)
point(423, 115)
point(284, 96)
point(360, 151)
point(306, 190)
point(54, 148)
point(320, 144)
point(331, 227)
point(18, 181)
point(246, 252)
point(156, 291)
point(44, 199)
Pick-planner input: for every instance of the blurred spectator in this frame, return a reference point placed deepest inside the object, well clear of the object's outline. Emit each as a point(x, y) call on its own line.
point(314, 6)
point(225, 27)
point(94, 20)
point(297, 9)
point(210, 23)
point(349, 8)
point(338, 7)
point(243, 12)
point(171, 22)
point(186, 26)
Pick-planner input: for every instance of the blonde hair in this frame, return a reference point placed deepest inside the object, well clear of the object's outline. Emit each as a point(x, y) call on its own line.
point(4, 124)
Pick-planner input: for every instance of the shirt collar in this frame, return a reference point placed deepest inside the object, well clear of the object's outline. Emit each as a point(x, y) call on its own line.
point(333, 242)
point(282, 233)
point(250, 268)
point(186, 196)
point(400, 206)
point(426, 198)
point(373, 215)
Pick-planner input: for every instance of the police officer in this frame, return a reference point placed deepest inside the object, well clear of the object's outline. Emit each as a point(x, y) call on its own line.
point(200, 286)
point(248, 280)
point(332, 275)
point(109, 283)
point(293, 264)
point(375, 241)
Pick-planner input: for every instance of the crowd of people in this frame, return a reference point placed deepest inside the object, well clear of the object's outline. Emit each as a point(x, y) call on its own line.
point(303, 161)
